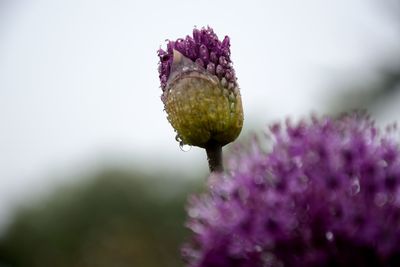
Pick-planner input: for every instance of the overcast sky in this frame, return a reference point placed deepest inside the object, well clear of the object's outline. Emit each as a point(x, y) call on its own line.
point(79, 81)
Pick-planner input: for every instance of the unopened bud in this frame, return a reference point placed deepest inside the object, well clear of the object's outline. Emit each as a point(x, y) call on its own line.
point(200, 91)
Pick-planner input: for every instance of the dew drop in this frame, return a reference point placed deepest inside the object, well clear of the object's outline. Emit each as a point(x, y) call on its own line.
point(259, 179)
point(184, 147)
point(224, 83)
point(257, 248)
point(232, 97)
point(355, 187)
point(380, 199)
point(383, 163)
point(194, 213)
point(329, 236)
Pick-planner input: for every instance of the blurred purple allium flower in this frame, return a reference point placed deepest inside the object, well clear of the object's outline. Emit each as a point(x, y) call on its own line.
point(200, 91)
point(328, 194)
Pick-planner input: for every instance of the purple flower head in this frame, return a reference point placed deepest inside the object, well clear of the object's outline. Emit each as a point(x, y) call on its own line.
point(205, 50)
point(328, 194)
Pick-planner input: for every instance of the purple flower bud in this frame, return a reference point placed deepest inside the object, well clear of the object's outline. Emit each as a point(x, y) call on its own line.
point(203, 53)
point(214, 57)
point(222, 61)
point(195, 74)
point(327, 194)
point(219, 71)
point(200, 62)
point(211, 68)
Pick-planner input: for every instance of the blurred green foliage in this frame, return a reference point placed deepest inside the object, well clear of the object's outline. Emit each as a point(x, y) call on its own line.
point(115, 218)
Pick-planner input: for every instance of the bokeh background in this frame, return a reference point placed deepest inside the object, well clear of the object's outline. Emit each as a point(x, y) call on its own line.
point(90, 172)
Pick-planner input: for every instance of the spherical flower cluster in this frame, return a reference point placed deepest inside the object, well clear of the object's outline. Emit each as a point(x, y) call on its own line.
point(327, 194)
point(200, 91)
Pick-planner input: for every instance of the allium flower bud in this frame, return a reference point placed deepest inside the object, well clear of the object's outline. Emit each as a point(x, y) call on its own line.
point(200, 91)
point(328, 194)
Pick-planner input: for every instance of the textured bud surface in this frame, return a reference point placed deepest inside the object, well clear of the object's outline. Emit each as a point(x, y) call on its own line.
point(200, 91)
point(328, 194)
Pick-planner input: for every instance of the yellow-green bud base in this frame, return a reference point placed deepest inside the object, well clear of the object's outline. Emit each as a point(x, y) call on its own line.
point(201, 110)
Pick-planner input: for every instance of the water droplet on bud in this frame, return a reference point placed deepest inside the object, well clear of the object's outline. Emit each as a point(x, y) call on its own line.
point(184, 147)
point(329, 236)
point(355, 187)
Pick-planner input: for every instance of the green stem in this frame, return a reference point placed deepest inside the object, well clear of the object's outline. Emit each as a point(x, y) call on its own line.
point(214, 156)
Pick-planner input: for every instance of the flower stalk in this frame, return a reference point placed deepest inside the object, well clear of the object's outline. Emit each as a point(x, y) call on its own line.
point(214, 157)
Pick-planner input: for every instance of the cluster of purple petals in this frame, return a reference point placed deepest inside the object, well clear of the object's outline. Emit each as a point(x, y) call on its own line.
point(327, 194)
point(204, 49)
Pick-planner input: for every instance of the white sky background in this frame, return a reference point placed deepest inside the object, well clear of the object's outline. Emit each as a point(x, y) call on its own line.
point(79, 82)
